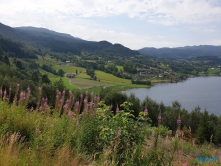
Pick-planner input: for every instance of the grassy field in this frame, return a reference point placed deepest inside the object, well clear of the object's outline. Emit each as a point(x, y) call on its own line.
point(109, 78)
point(70, 69)
point(87, 83)
point(82, 80)
point(47, 60)
point(212, 71)
point(54, 78)
point(120, 68)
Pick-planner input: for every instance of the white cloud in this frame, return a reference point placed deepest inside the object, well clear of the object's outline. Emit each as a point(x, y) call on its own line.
point(76, 17)
point(159, 11)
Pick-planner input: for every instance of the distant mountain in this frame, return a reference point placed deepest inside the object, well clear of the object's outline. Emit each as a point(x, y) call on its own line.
point(60, 42)
point(47, 33)
point(182, 52)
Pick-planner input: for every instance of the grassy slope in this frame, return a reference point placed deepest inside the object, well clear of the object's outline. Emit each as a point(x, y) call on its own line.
point(82, 79)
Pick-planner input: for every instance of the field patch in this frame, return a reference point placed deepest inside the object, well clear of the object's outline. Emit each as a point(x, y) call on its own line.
point(87, 83)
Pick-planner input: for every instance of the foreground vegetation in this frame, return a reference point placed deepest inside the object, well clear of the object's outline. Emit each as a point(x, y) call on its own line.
point(85, 131)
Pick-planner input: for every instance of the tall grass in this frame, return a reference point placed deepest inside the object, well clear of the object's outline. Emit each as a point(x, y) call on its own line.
point(85, 131)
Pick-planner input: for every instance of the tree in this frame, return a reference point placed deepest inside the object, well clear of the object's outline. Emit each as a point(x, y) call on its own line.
point(6, 60)
point(45, 79)
point(61, 72)
point(202, 132)
point(19, 64)
point(34, 77)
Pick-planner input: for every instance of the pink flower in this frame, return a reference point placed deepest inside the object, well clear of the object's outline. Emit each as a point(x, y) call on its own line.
point(179, 121)
point(37, 130)
point(167, 141)
point(70, 114)
point(185, 164)
point(117, 110)
point(77, 103)
point(81, 96)
point(85, 100)
point(63, 92)
point(65, 106)
point(70, 92)
point(119, 132)
point(111, 106)
point(18, 85)
point(159, 118)
point(152, 134)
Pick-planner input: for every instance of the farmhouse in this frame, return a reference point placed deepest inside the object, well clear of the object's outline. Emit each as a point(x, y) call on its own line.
point(73, 75)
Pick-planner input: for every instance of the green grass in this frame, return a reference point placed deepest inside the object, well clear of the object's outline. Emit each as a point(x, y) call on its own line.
point(120, 68)
point(54, 78)
point(47, 60)
point(212, 71)
point(109, 78)
point(70, 69)
point(87, 83)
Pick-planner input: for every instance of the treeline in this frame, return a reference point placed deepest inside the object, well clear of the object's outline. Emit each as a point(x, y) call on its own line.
point(16, 49)
point(141, 82)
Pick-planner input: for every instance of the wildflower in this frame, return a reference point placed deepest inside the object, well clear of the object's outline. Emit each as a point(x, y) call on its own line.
point(65, 106)
point(159, 118)
point(61, 100)
point(98, 98)
point(37, 130)
point(145, 111)
point(85, 100)
point(28, 89)
point(63, 92)
point(185, 164)
point(152, 134)
point(18, 85)
point(77, 103)
point(32, 108)
point(22, 94)
point(40, 108)
point(117, 110)
point(10, 89)
point(167, 140)
point(111, 106)
point(119, 132)
point(70, 92)
point(78, 124)
point(57, 96)
point(86, 93)
point(70, 114)
point(178, 121)
point(81, 96)
point(39, 88)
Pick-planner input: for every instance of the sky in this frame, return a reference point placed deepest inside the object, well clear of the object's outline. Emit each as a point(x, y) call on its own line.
point(132, 23)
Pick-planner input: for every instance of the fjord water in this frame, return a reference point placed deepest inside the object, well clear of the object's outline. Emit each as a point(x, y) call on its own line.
point(204, 92)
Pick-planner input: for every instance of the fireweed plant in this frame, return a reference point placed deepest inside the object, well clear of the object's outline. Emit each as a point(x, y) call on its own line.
point(85, 131)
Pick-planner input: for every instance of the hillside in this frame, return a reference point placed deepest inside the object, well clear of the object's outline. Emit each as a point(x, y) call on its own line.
point(182, 52)
point(42, 38)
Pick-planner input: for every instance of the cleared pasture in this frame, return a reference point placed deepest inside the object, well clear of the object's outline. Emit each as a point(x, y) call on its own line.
point(109, 78)
point(87, 83)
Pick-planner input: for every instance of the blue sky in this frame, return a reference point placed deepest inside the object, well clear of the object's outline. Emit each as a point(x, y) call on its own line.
point(133, 23)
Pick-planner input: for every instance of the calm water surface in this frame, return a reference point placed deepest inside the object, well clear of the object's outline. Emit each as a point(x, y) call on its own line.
point(204, 92)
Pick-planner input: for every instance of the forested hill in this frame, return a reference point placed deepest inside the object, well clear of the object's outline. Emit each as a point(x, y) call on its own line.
point(42, 38)
point(182, 52)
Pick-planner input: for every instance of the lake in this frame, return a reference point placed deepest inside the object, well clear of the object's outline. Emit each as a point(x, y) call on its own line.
point(204, 92)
